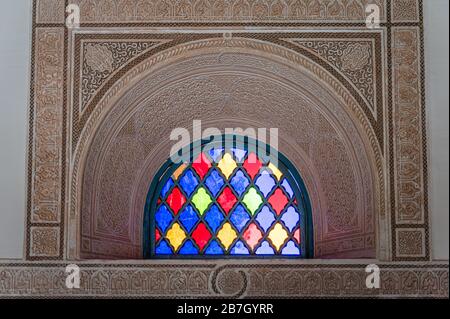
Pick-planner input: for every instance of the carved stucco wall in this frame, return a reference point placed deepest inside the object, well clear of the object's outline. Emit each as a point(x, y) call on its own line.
point(226, 84)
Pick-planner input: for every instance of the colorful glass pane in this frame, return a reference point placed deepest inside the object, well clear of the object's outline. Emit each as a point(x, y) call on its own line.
point(201, 235)
point(201, 200)
point(188, 218)
point(239, 182)
point(239, 217)
point(252, 200)
point(176, 200)
point(278, 201)
point(214, 217)
point(214, 182)
point(265, 183)
point(188, 182)
point(201, 165)
point(228, 202)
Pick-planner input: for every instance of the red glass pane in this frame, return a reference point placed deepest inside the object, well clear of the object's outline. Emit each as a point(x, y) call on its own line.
point(252, 235)
point(176, 200)
point(157, 235)
point(159, 201)
point(201, 235)
point(201, 165)
point(227, 200)
point(252, 165)
point(278, 201)
point(297, 235)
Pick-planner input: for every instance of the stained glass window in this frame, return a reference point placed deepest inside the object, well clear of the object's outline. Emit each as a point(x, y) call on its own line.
point(228, 202)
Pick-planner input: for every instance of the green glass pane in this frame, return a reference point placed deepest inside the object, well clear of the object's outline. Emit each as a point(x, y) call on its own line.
point(252, 200)
point(201, 200)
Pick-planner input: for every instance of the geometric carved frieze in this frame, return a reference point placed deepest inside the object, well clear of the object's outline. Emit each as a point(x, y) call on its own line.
point(355, 59)
point(405, 10)
point(224, 280)
point(129, 11)
point(45, 241)
point(100, 60)
point(50, 11)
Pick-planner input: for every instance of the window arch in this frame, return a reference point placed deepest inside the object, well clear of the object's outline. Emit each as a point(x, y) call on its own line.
point(230, 200)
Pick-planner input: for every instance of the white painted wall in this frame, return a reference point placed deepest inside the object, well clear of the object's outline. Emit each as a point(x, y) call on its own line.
point(15, 40)
point(436, 55)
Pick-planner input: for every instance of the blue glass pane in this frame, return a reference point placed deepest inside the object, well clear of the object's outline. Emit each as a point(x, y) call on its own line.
point(163, 248)
point(265, 249)
point(188, 183)
point(163, 218)
point(188, 218)
point(287, 187)
point(215, 154)
point(214, 217)
point(214, 182)
point(265, 183)
point(265, 218)
point(239, 249)
point(166, 188)
point(239, 182)
point(188, 249)
point(290, 249)
point(239, 154)
point(291, 218)
point(214, 249)
point(239, 217)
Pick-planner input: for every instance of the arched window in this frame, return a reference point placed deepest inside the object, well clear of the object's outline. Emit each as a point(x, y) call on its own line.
point(228, 201)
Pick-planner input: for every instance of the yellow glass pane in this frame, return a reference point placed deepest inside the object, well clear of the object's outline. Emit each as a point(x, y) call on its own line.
point(275, 171)
point(179, 171)
point(227, 165)
point(278, 236)
point(227, 235)
point(176, 236)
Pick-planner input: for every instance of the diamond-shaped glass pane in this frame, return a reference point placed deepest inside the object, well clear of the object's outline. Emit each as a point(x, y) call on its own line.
point(227, 235)
point(215, 154)
point(278, 201)
point(265, 218)
point(179, 171)
point(252, 165)
point(278, 236)
point(201, 235)
point(239, 249)
point(214, 217)
point(201, 200)
point(239, 154)
point(166, 188)
point(265, 183)
point(252, 235)
point(214, 182)
point(252, 200)
point(227, 200)
point(291, 218)
point(239, 217)
point(188, 248)
point(188, 218)
point(163, 248)
point(297, 235)
point(214, 248)
point(287, 187)
point(188, 182)
point(290, 249)
point(227, 165)
point(239, 182)
point(201, 165)
point(176, 200)
point(265, 249)
point(275, 171)
point(175, 236)
point(163, 218)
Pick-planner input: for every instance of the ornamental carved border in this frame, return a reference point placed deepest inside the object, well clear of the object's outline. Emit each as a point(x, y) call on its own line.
point(396, 108)
point(224, 280)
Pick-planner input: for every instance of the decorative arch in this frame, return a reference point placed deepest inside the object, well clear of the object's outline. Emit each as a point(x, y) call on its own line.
point(235, 197)
point(331, 111)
